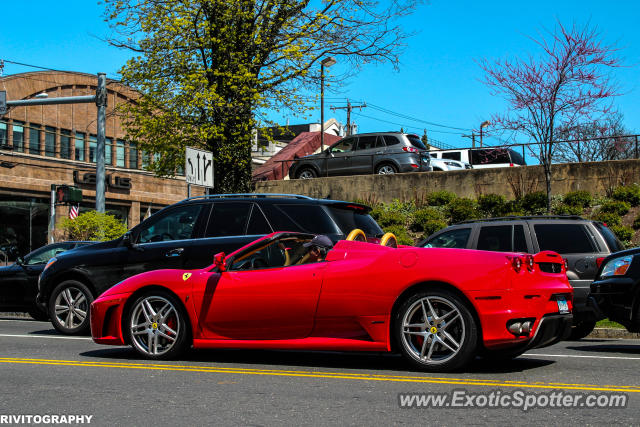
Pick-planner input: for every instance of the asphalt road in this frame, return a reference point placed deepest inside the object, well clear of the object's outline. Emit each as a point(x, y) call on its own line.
point(42, 372)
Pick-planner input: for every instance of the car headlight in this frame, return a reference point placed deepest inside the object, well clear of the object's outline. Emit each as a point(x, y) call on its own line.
point(617, 266)
point(50, 263)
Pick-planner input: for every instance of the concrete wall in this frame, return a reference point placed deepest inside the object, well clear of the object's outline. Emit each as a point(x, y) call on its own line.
point(596, 177)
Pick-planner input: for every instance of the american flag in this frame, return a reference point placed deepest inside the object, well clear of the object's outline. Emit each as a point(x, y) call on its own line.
point(73, 211)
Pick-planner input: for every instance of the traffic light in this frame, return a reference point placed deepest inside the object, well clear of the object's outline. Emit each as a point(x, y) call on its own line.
point(68, 193)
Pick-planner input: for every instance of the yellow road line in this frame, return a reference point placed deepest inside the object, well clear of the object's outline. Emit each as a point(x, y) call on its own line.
point(328, 375)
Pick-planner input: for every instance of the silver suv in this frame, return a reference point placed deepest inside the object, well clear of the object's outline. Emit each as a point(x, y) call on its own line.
point(583, 243)
point(366, 153)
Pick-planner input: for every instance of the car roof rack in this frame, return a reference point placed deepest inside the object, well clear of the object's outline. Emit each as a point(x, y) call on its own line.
point(257, 195)
point(516, 217)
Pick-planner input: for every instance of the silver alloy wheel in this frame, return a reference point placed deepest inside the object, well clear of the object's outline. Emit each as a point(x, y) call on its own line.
point(433, 330)
point(71, 307)
point(386, 170)
point(306, 174)
point(155, 325)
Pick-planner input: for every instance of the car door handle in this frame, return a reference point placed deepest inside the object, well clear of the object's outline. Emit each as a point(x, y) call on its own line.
point(174, 252)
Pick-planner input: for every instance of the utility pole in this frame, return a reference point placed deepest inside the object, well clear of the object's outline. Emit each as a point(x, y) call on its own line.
point(349, 107)
point(473, 139)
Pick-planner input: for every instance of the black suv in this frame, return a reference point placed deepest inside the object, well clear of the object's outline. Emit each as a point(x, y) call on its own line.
point(186, 235)
point(582, 243)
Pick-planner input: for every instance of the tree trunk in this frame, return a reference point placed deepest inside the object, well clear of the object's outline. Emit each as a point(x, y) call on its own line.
point(547, 178)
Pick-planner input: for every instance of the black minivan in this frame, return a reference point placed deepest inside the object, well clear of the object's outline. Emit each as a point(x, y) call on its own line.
point(186, 235)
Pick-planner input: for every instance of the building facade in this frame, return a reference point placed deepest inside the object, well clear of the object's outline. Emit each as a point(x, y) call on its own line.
point(47, 145)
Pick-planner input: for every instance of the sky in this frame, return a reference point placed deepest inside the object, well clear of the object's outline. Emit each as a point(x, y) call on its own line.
point(438, 82)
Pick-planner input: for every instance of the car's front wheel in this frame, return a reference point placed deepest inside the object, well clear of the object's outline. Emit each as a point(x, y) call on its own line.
point(436, 331)
point(157, 326)
point(69, 307)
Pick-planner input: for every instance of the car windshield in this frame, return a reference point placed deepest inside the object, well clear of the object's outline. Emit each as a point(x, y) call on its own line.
point(282, 252)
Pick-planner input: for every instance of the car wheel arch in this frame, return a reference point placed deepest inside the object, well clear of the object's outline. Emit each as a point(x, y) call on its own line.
point(421, 286)
point(304, 166)
point(383, 162)
point(144, 290)
point(72, 275)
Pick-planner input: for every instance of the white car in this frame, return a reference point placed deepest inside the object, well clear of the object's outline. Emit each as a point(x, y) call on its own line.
point(448, 165)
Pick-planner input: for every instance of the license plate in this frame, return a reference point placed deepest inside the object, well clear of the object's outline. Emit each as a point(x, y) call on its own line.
point(563, 307)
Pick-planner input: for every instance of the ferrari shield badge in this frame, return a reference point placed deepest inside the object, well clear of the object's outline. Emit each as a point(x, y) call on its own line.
point(186, 276)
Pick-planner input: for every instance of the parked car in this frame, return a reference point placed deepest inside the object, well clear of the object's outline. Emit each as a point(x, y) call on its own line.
point(616, 290)
point(583, 244)
point(448, 165)
point(365, 153)
point(479, 158)
point(19, 281)
point(361, 297)
point(186, 235)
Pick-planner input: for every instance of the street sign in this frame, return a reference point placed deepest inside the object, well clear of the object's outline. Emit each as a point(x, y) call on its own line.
point(3, 102)
point(198, 167)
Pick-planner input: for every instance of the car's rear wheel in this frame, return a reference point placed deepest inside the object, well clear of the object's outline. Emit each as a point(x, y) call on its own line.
point(436, 331)
point(157, 326)
point(69, 307)
point(386, 169)
point(307, 173)
point(581, 329)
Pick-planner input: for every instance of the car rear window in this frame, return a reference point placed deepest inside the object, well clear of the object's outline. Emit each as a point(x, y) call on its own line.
point(564, 238)
point(452, 156)
point(415, 141)
point(490, 156)
point(502, 238)
point(516, 158)
point(612, 241)
point(348, 219)
point(309, 218)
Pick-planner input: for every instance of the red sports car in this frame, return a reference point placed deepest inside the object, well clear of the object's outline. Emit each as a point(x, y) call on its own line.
point(438, 307)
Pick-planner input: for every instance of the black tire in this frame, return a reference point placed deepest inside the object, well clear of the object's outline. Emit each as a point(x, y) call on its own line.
point(306, 173)
point(174, 323)
point(77, 299)
point(452, 312)
point(581, 329)
point(386, 169)
point(38, 315)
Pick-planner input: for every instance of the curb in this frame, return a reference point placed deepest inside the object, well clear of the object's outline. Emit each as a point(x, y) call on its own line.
point(613, 333)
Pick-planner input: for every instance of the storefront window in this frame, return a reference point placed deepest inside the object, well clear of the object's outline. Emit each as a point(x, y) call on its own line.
point(34, 139)
point(108, 151)
point(25, 225)
point(49, 141)
point(120, 153)
point(93, 143)
point(79, 142)
point(65, 144)
point(18, 136)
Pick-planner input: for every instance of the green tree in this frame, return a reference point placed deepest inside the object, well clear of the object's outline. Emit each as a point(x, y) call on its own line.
point(207, 68)
point(93, 225)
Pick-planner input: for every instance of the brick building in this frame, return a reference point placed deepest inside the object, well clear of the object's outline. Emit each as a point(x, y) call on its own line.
point(56, 144)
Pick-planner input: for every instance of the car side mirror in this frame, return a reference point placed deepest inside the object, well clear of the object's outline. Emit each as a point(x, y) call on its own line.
point(218, 261)
point(127, 241)
point(20, 261)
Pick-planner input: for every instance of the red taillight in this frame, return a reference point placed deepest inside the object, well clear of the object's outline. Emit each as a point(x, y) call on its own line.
point(510, 165)
point(414, 166)
point(410, 149)
point(528, 261)
point(516, 263)
point(599, 261)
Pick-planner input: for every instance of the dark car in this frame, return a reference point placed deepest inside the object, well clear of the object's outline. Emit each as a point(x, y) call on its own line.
point(616, 290)
point(582, 243)
point(19, 281)
point(186, 235)
point(380, 152)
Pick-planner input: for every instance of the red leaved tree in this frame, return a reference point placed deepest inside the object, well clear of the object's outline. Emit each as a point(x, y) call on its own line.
point(566, 85)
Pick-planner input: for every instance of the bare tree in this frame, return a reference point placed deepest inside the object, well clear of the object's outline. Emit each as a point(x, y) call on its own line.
point(567, 84)
point(596, 141)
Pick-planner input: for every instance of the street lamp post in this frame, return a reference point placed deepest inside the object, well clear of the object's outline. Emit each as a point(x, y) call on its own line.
point(326, 62)
point(483, 125)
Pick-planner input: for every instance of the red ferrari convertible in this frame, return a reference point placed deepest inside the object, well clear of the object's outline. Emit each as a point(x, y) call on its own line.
point(438, 307)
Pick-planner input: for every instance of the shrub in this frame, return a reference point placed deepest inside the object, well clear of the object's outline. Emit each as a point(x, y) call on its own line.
point(492, 204)
point(535, 202)
point(462, 209)
point(93, 225)
point(608, 218)
point(387, 218)
point(440, 198)
point(565, 209)
point(622, 232)
point(578, 198)
point(422, 216)
point(615, 206)
point(432, 226)
point(513, 208)
point(628, 193)
point(401, 234)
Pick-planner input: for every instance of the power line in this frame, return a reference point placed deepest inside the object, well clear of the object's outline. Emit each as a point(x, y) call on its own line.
point(405, 125)
point(404, 116)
